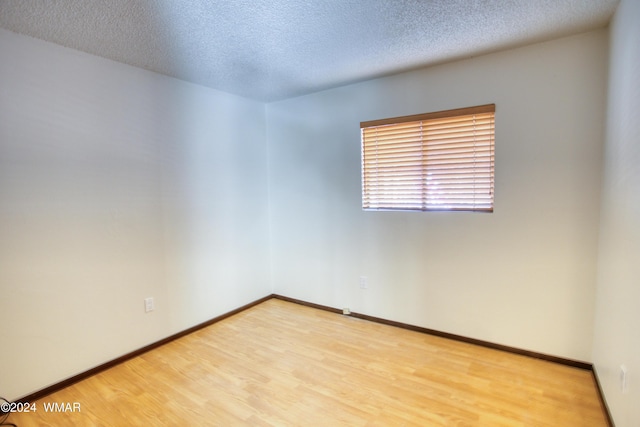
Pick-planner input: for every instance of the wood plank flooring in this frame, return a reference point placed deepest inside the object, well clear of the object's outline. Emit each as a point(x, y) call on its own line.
point(283, 364)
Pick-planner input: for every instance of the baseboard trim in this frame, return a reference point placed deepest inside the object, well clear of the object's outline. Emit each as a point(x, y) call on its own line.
point(603, 400)
point(308, 304)
point(514, 350)
point(93, 371)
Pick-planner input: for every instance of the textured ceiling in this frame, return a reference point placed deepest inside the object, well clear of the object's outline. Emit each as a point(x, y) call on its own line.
point(275, 49)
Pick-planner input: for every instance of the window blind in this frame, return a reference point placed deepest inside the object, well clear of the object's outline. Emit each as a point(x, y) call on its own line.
point(434, 161)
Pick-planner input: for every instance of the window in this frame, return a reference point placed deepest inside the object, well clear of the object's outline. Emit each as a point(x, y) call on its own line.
point(441, 161)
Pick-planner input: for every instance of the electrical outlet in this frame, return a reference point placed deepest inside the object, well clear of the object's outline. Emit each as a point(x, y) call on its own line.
point(148, 305)
point(346, 311)
point(364, 284)
point(624, 380)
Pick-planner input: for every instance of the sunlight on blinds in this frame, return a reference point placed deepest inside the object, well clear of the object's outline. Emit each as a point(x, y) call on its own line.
point(435, 161)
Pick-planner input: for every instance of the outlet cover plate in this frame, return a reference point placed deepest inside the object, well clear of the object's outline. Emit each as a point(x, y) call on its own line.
point(149, 304)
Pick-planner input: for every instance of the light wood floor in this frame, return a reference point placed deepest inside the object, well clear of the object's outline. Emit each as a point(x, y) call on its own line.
point(283, 364)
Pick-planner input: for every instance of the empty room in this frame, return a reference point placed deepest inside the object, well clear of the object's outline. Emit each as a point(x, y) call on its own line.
point(286, 212)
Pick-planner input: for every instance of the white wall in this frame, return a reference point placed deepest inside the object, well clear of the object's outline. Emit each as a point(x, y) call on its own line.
point(117, 184)
point(617, 329)
point(523, 276)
